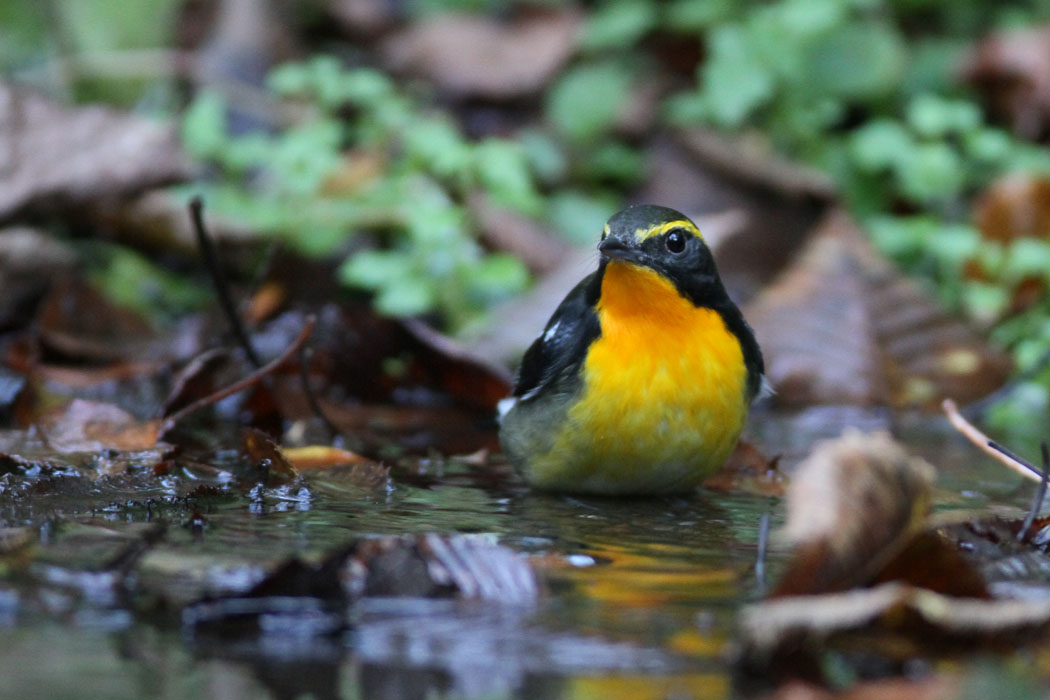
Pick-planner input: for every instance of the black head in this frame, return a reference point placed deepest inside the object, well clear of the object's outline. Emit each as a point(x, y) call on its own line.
point(666, 241)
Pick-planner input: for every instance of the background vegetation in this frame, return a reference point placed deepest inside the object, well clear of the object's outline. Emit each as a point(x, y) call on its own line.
point(378, 171)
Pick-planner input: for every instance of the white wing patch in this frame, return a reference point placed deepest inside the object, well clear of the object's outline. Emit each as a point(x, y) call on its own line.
point(550, 333)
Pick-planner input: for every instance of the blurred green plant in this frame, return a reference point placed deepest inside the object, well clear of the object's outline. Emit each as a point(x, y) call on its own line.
point(866, 90)
point(364, 170)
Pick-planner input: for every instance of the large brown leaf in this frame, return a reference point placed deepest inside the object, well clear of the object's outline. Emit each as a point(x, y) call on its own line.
point(841, 325)
point(51, 156)
point(480, 57)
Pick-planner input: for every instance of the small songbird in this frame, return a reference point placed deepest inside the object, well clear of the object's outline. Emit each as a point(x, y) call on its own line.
point(642, 379)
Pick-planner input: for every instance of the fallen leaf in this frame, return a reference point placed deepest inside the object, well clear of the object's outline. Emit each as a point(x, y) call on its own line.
point(852, 506)
point(319, 456)
point(892, 607)
point(52, 157)
point(474, 56)
point(1013, 69)
point(30, 261)
point(78, 323)
point(840, 325)
point(748, 470)
point(418, 566)
point(90, 426)
point(1013, 208)
point(265, 453)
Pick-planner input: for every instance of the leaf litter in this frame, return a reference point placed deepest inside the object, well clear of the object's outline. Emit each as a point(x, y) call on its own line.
point(878, 581)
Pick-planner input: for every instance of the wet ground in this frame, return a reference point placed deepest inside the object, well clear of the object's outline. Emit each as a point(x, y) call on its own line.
point(639, 598)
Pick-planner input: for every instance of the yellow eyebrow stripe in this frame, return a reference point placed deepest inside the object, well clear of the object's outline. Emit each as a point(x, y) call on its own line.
point(643, 233)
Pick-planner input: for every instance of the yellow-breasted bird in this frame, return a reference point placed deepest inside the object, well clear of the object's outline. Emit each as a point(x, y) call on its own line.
point(642, 379)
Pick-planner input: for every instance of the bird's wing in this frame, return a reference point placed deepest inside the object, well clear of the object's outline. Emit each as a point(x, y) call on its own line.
point(559, 351)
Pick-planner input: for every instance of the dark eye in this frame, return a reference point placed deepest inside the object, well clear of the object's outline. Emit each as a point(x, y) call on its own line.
point(675, 241)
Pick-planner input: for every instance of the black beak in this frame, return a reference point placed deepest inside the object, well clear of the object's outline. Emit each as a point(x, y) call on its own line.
point(615, 249)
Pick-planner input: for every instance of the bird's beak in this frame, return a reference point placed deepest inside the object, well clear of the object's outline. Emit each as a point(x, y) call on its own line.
point(615, 248)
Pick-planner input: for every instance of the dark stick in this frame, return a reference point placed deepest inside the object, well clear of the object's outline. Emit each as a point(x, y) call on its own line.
point(760, 556)
point(1024, 463)
point(240, 385)
point(219, 281)
point(1040, 495)
point(311, 397)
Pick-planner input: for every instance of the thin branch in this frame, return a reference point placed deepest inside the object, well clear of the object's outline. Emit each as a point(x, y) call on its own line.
point(219, 281)
point(1040, 495)
point(986, 444)
point(242, 384)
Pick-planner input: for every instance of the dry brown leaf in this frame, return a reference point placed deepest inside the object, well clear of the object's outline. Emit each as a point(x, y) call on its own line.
point(840, 325)
point(29, 261)
point(52, 157)
point(475, 56)
point(79, 323)
point(1014, 207)
point(262, 450)
point(319, 456)
point(748, 470)
point(898, 607)
point(1013, 69)
point(853, 505)
point(90, 426)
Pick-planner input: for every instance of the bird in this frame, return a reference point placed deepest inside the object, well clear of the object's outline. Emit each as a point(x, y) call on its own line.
point(642, 379)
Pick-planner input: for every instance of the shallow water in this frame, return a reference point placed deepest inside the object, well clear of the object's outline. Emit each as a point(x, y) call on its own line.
point(640, 597)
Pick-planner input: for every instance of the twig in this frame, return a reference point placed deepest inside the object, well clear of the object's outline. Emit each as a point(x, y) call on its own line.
point(242, 384)
point(219, 281)
point(760, 556)
point(986, 444)
point(1037, 504)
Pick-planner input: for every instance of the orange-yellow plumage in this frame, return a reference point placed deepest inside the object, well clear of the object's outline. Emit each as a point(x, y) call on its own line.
point(663, 401)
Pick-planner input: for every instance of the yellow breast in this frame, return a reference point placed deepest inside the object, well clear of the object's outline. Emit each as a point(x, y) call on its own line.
point(663, 400)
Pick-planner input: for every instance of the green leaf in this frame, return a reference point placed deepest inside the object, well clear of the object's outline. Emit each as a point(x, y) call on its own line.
point(689, 16)
point(204, 126)
point(733, 81)
point(406, 296)
point(503, 172)
point(931, 171)
point(618, 25)
point(988, 145)
point(580, 217)
point(1027, 257)
point(437, 146)
point(859, 60)
point(880, 144)
point(373, 269)
point(496, 277)
point(935, 117)
point(587, 99)
point(614, 161)
point(545, 157)
point(133, 281)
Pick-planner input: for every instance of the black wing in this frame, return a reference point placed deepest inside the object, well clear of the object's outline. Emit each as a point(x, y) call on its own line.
point(562, 347)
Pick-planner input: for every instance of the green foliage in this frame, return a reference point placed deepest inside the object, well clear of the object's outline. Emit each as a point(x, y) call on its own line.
point(586, 100)
point(392, 170)
point(865, 90)
point(135, 282)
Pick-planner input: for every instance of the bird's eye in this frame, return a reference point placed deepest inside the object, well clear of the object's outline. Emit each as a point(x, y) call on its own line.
point(675, 241)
